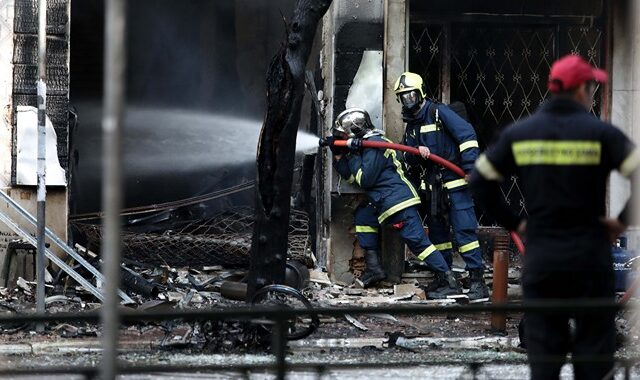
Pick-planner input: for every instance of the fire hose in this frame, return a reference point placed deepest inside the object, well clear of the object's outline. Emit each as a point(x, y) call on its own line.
point(432, 157)
point(456, 169)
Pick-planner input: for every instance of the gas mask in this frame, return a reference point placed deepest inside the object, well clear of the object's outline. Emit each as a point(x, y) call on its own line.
point(410, 100)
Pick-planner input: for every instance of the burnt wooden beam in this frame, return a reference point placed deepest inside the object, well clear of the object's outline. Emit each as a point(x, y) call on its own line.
point(277, 145)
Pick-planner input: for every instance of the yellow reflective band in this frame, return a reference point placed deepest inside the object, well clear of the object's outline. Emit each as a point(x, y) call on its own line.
point(630, 163)
point(400, 206)
point(351, 179)
point(487, 170)
point(359, 176)
point(469, 247)
point(366, 229)
point(468, 145)
point(392, 153)
point(429, 250)
point(428, 128)
point(444, 246)
point(456, 183)
point(545, 152)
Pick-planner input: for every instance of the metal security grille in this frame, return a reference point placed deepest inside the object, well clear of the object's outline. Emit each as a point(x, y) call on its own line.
point(427, 44)
point(224, 239)
point(499, 70)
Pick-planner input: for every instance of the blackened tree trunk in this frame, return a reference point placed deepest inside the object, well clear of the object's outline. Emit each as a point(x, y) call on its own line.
point(277, 145)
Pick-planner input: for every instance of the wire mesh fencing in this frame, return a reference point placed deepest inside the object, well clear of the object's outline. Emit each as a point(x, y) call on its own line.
point(224, 239)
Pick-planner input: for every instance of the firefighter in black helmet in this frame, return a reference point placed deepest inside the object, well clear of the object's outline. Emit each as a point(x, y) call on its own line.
point(562, 156)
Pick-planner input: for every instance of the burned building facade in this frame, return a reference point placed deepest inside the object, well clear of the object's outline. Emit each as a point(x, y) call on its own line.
point(206, 57)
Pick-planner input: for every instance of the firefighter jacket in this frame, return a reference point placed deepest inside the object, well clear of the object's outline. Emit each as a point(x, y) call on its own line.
point(380, 174)
point(562, 156)
point(450, 137)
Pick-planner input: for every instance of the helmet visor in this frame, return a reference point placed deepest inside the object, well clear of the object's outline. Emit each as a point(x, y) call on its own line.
point(409, 99)
point(354, 122)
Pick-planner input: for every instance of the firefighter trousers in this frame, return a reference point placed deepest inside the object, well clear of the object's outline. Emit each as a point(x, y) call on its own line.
point(462, 218)
point(407, 222)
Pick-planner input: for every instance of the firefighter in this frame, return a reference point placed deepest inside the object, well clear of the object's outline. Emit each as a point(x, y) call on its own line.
point(447, 203)
point(562, 156)
point(391, 199)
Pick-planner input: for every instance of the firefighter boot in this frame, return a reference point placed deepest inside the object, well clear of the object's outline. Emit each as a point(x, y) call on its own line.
point(374, 272)
point(478, 288)
point(447, 285)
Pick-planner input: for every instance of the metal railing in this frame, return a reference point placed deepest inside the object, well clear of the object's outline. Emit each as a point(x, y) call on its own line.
point(280, 317)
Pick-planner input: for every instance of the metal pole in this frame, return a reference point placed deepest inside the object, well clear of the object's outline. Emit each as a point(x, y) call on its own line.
point(42, 153)
point(500, 281)
point(114, 76)
point(279, 347)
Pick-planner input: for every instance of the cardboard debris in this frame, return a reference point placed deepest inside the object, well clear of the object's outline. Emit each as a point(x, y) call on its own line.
point(23, 284)
point(404, 290)
point(354, 291)
point(174, 296)
point(319, 277)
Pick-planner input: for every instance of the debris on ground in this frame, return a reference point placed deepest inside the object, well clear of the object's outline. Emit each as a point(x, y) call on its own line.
point(200, 288)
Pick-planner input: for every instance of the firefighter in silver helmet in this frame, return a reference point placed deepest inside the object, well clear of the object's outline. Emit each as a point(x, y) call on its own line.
point(391, 199)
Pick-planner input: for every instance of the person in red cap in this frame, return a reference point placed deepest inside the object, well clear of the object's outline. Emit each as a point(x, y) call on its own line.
point(562, 155)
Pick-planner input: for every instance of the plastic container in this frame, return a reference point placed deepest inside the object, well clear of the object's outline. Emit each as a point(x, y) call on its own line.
point(620, 258)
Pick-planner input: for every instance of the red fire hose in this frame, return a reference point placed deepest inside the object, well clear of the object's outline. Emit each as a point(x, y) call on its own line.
point(433, 157)
point(456, 169)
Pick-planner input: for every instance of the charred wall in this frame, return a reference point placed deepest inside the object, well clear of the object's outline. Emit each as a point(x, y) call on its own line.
point(196, 76)
point(197, 54)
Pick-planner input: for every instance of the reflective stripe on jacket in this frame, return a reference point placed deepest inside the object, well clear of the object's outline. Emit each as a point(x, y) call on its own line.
point(380, 174)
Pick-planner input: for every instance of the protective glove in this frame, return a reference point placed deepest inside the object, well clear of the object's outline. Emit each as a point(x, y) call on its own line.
point(354, 145)
point(336, 150)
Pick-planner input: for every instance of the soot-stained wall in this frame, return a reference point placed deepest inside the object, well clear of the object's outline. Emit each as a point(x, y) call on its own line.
point(201, 54)
point(196, 76)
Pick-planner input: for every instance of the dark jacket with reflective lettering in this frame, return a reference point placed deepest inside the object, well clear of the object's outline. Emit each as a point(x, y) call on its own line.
point(562, 156)
point(379, 173)
point(458, 143)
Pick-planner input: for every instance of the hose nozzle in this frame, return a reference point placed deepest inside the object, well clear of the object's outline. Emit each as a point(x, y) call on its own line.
point(324, 142)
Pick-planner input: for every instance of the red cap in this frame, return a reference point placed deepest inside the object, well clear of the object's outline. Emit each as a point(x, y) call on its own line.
point(571, 71)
